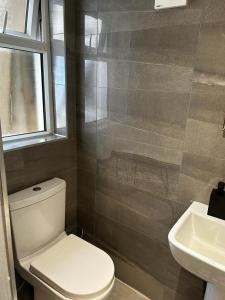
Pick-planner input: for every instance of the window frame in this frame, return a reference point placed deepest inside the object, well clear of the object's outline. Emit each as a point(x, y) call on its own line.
point(20, 41)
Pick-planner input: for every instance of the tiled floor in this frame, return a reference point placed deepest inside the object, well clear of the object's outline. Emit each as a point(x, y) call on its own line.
point(121, 291)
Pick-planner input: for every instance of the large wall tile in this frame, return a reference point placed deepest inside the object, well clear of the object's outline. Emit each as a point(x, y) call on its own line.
point(205, 139)
point(214, 11)
point(156, 84)
point(146, 174)
point(160, 77)
point(172, 44)
point(114, 45)
point(129, 130)
point(207, 102)
point(201, 173)
point(140, 202)
point(143, 20)
point(124, 215)
point(106, 145)
point(117, 5)
point(112, 73)
point(211, 48)
point(85, 5)
point(160, 112)
point(86, 199)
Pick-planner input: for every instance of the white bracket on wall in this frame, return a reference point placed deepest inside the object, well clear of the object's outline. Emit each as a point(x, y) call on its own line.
point(163, 4)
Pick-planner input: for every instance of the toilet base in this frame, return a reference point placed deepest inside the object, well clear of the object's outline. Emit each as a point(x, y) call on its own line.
point(214, 292)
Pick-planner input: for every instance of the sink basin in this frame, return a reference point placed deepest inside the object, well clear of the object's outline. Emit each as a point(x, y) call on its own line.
point(197, 242)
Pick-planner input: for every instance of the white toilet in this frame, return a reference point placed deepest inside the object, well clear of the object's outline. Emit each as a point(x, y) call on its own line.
point(59, 266)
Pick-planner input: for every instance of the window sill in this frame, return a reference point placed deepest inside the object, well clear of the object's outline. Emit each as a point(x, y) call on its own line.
point(32, 141)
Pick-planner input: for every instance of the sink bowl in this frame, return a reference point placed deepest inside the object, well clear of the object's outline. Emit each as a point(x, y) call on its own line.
point(197, 242)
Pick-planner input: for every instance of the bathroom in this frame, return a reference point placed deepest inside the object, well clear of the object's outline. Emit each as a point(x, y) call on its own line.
point(122, 102)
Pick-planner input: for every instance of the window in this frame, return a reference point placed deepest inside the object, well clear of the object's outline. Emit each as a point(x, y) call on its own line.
point(58, 63)
point(21, 105)
point(27, 79)
point(15, 11)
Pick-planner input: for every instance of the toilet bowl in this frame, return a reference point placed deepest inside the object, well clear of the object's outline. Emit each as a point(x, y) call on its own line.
point(59, 266)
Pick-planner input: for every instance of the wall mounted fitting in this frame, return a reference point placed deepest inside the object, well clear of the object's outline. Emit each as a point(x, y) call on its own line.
point(163, 4)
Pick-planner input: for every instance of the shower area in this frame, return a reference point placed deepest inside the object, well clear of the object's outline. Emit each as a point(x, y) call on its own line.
point(150, 112)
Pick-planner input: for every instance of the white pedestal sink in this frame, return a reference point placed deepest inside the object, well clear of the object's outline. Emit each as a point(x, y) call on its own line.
point(197, 242)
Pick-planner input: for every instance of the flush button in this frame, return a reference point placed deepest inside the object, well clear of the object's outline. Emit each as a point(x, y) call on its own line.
point(37, 188)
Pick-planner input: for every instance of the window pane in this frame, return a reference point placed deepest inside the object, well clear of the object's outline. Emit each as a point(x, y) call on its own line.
point(56, 8)
point(16, 9)
point(57, 19)
point(21, 92)
point(34, 20)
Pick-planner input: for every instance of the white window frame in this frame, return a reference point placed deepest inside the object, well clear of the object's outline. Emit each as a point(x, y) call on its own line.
point(26, 42)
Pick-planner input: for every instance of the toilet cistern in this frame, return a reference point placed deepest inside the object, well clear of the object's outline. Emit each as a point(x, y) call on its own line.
point(59, 266)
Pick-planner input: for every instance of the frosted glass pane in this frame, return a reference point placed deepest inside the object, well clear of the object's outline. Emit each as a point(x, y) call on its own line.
point(21, 92)
point(56, 8)
point(16, 14)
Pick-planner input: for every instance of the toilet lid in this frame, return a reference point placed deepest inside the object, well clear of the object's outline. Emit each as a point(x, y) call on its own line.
point(75, 268)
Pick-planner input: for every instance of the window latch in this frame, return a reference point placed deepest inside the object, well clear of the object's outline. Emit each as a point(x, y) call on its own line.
point(5, 22)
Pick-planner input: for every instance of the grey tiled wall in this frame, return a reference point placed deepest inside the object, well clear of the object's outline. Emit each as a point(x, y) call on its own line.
point(151, 104)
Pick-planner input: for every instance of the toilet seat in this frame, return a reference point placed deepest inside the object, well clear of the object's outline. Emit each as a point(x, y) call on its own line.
point(75, 268)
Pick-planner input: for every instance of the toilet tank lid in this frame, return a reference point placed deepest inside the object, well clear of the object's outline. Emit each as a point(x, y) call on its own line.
point(36, 193)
